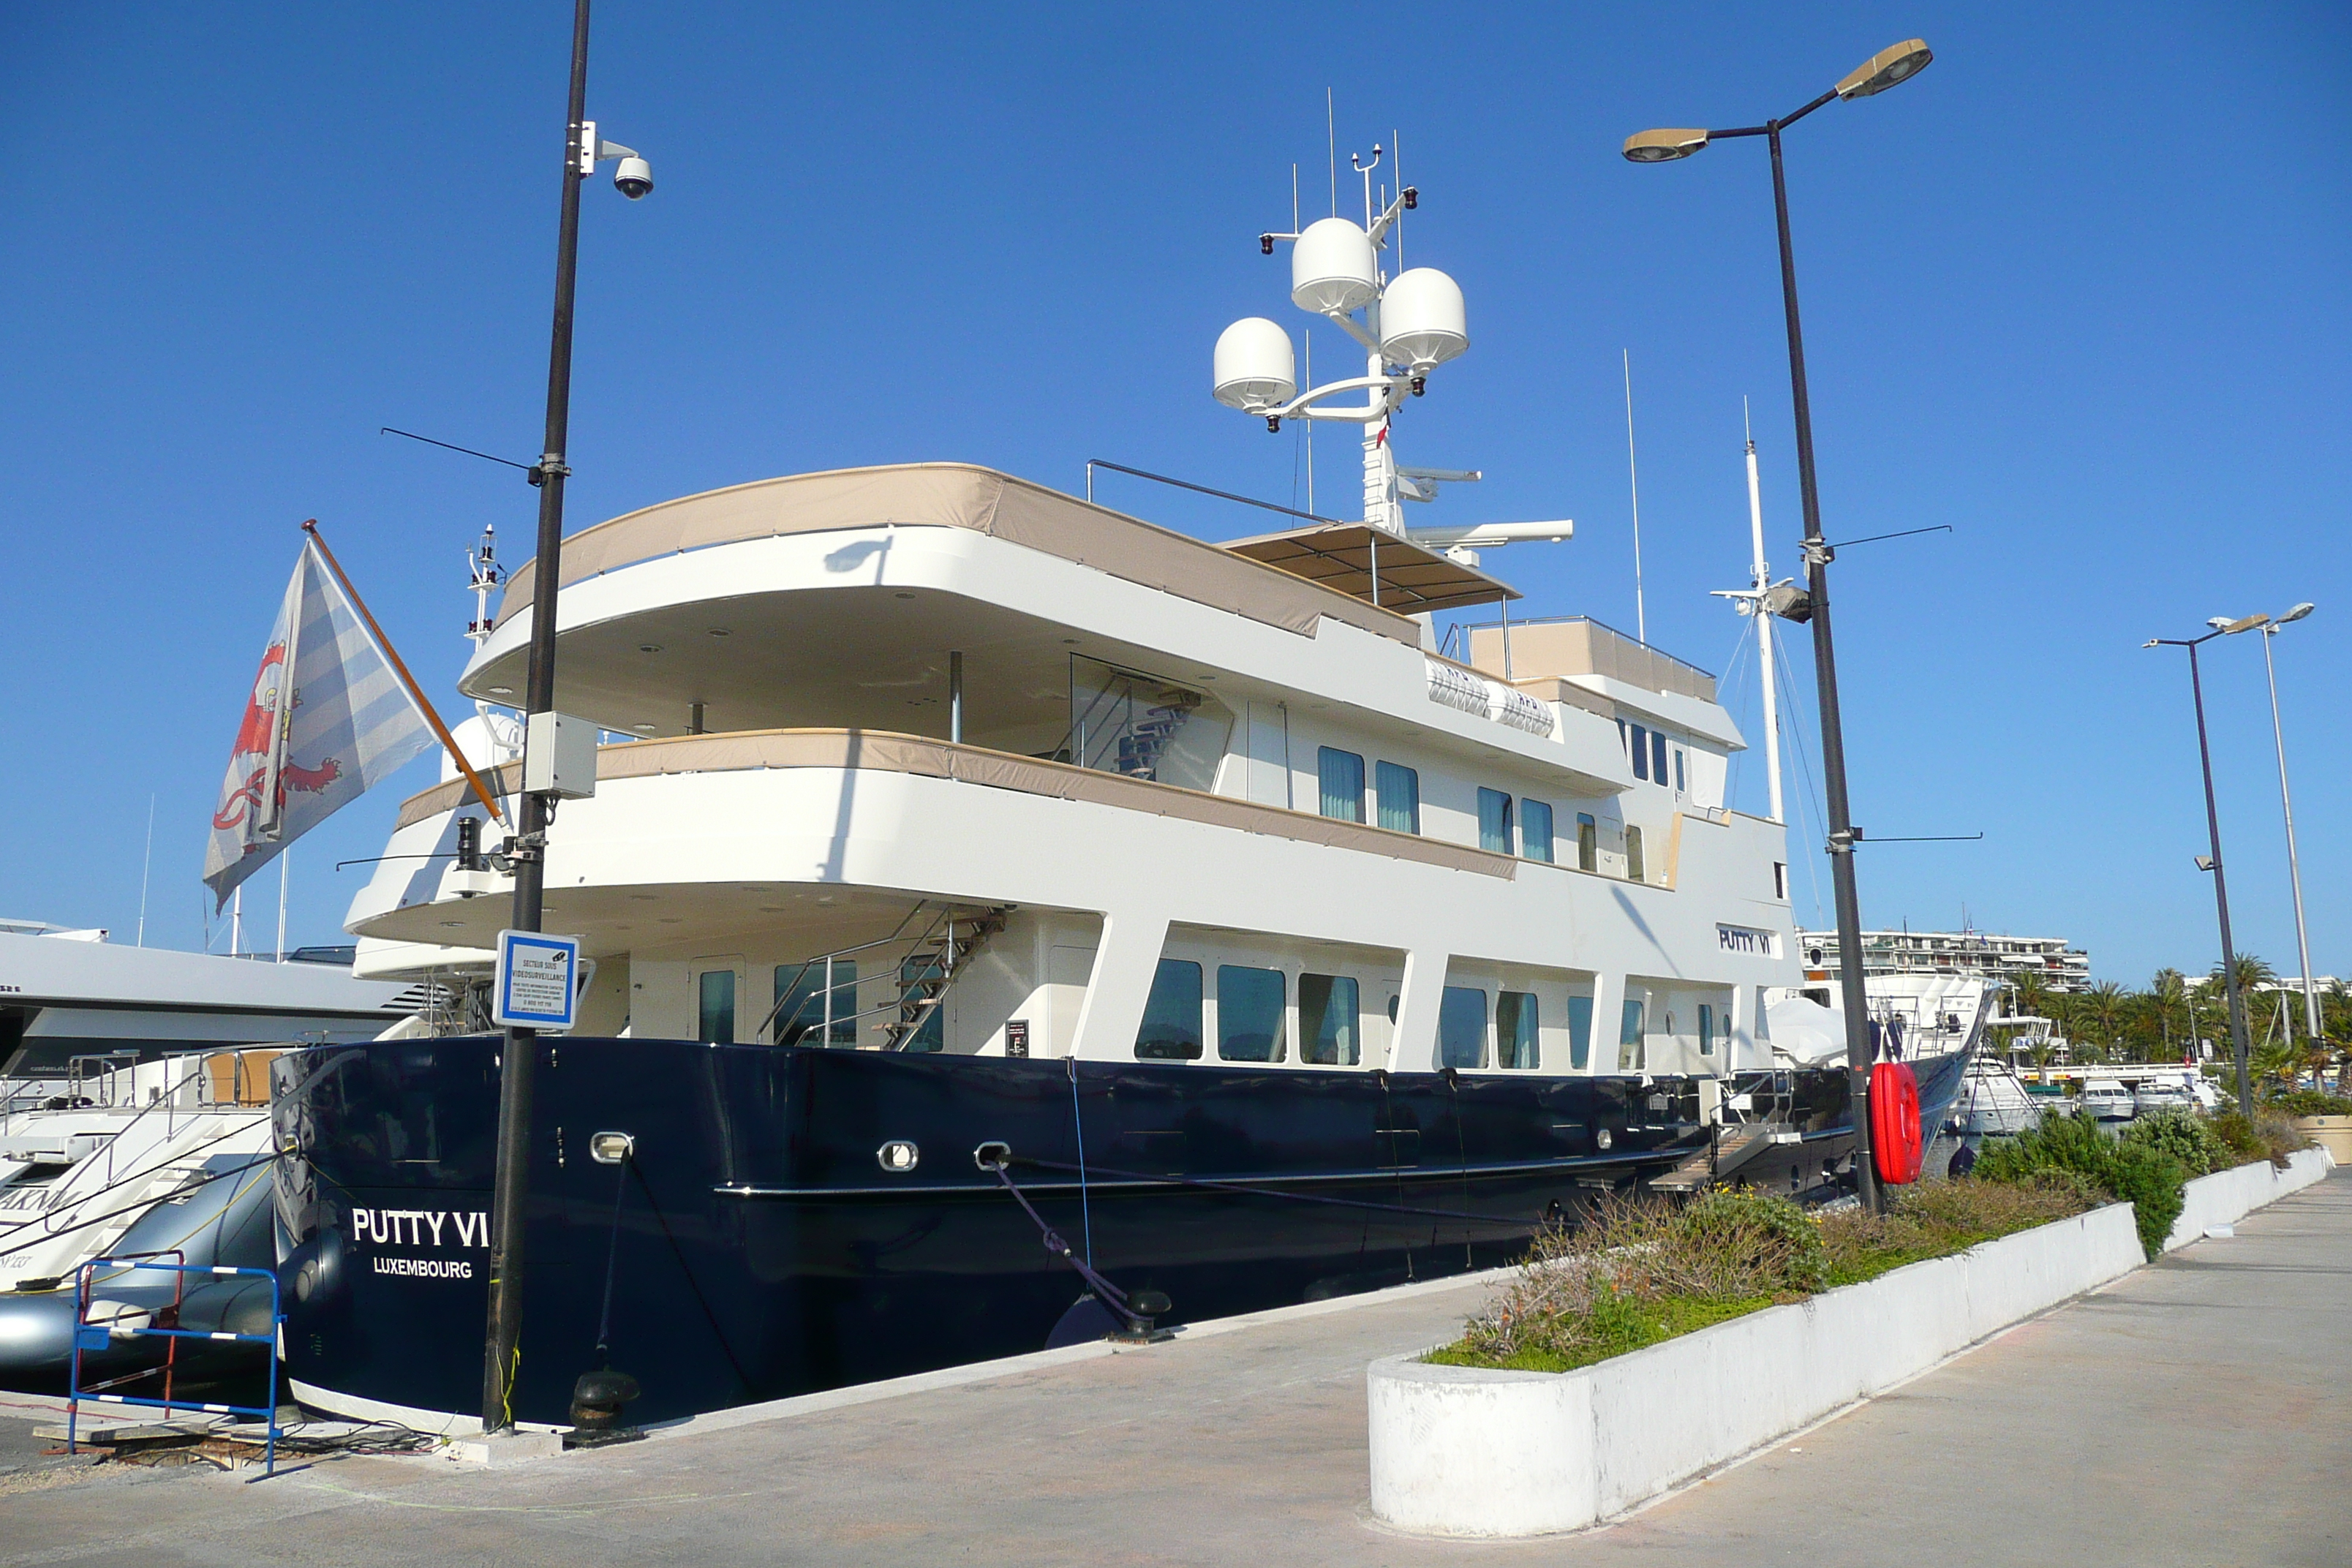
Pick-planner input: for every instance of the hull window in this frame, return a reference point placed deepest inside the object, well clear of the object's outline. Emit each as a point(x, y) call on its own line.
point(1588, 842)
point(1535, 830)
point(716, 1024)
point(1399, 789)
point(1630, 1054)
point(1579, 1032)
point(1494, 821)
point(1462, 1028)
point(1249, 1015)
point(1343, 784)
point(1171, 1017)
point(1328, 1033)
point(1515, 1030)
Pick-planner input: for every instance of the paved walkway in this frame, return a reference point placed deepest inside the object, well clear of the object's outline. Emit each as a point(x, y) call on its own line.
point(2191, 1413)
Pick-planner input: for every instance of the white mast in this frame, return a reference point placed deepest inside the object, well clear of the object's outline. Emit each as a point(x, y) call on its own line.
point(1763, 580)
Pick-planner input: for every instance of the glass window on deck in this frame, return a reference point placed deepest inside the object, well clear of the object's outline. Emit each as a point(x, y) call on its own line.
point(715, 1023)
point(1706, 1030)
point(1629, 1051)
point(1641, 752)
point(1657, 756)
point(1579, 1032)
point(1343, 784)
point(1399, 788)
point(1494, 821)
point(1588, 842)
point(1462, 1028)
point(1328, 1033)
point(1515, 1030)
point(1249, 1014)
point(1535, 830)
point(817, 1004)
point(1680, 788)
point(1633, 868)
point(1171, 1016)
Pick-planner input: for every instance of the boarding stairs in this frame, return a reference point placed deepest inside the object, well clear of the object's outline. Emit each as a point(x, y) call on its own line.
point(931, 962)
point(1730, 1147)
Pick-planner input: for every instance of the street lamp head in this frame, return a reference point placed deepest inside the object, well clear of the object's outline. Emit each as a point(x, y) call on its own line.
point(2297, 614)
point(1887, 68)
point(2243, 624)
point(1663, 146)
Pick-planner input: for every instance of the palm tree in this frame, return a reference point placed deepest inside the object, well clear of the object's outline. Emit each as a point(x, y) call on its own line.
point(2167, 990)
point(2106, 1005)
point(2032, 995)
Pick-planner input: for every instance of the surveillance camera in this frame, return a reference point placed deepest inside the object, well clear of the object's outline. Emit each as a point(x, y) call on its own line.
point(1411, 198)
point(633, 178)
point(1273, 423)
point(1420, 384)
point(1266, 244)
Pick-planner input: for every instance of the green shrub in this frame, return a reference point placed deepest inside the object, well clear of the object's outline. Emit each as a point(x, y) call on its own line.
point(2139, 1173)
point(2312, 1102)
point(2183, 1135)
point(2268, 1136)
point(2238, 1135)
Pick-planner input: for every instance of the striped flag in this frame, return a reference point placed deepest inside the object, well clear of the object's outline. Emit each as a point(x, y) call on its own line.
point(326, 719)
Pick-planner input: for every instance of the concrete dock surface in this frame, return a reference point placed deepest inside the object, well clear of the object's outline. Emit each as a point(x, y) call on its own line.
point(2193, 1413)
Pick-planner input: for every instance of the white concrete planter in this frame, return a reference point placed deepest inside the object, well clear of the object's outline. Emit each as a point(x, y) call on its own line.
point(1473, 1452)
point(1467, 1451)
point(2225, 1197)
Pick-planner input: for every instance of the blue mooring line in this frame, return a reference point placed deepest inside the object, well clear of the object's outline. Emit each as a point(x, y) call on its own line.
point(1078, 1123)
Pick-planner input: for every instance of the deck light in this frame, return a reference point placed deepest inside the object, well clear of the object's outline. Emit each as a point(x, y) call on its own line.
point(1887, 68)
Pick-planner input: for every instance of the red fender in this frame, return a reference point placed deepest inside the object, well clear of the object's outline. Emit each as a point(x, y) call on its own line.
point(1895, 1140)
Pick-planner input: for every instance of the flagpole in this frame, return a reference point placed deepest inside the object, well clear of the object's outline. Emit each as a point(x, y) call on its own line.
point(285, 865)
point(391, 657)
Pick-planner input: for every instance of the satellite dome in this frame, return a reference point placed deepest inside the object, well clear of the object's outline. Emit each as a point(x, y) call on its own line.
point(1422, 320)
point(1254, 369)
point(1331, 267)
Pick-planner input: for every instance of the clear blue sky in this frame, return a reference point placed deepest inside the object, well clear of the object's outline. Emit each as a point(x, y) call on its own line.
point(2081, 291)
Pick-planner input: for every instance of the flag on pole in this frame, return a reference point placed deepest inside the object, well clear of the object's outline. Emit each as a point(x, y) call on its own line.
point(326, 719)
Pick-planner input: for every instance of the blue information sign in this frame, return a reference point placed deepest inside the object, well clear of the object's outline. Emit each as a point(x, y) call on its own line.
point(537, 986)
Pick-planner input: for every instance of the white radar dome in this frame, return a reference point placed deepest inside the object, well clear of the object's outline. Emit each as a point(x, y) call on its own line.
point(1422, 320)
point(1254, 368)
point(1331, 267)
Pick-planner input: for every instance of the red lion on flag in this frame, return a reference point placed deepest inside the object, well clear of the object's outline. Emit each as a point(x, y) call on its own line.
point(266, 708)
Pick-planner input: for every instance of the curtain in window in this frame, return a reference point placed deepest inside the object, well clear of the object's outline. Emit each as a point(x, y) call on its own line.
point(1588, 843)
point(1494, 821)
point(1329, 1035)
point(1629, 1050)
point(1343, 784)
point(1579, 1032)
point(1462, 1028)
point(1535, 830)
point(1515, 1030)
point(1633, 855)
point(1399, 789)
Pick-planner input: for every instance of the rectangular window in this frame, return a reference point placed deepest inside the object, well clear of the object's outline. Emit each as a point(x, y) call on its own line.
point(1343, 784)
point(1171, 1016)
point(817, 1004)
point(1630, 1052)
point(1641, 752)
point(915, 972)
point(1657, 756)
point(1399, 789)
point(1535, 830)
point(1588, 842)
point(1249, 1015)
point(1633, 855)
point(1462, 1028)
point(1329, 1033)
point(1579, 1032)
point(1706, 1030)
point(1680, 788)
point(1494, 821)
point(717, 1023)
point(1779, 879)
point(1515, 1030)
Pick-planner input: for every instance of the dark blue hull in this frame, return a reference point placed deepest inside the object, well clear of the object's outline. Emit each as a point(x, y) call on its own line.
point(753, 1246)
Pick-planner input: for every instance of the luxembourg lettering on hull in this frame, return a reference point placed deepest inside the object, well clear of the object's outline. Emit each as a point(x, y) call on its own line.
point(421, 1228)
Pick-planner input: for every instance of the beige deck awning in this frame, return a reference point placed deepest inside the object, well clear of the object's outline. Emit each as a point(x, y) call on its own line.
point(1412, 579)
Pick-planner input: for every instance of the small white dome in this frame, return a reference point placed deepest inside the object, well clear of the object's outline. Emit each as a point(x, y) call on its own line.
point(1422, 320)
point(1331, 267)
point(1254, 369)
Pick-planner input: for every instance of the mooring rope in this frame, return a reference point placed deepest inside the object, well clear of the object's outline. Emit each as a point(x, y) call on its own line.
point(1077, 1123)
point(1109, 1294)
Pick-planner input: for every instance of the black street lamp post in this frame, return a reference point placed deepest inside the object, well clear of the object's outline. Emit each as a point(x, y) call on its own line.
point(517, 1056)
point(2213, 862)
point(1881, 72)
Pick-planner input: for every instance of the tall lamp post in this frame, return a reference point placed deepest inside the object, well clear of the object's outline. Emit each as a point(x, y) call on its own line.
point(1886, 68)
point(518, 1056)
point(2213, 862)
point(2270, 627)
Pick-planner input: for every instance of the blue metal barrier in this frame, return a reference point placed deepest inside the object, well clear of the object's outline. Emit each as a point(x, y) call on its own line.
point(94, 1337)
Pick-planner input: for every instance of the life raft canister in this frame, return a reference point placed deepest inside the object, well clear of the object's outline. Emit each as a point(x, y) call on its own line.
point(1895, 1141)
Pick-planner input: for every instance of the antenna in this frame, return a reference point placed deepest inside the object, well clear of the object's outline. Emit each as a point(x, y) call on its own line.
point(1763, 581)
point(144, 866)
point(1310, 423)
point(1396, 167)
point(1633, 477)
point(1331, 140)
point(1294, 198)
point(285, 863)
